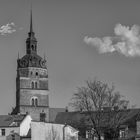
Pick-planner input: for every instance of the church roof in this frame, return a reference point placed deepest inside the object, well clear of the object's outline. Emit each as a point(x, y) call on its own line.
point(11, 120)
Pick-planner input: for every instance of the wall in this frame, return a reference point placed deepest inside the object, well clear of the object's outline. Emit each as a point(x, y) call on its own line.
point(35, 112)
point(25, 126)
point(50, 131)
point(8, 131)
point(25, 138)
point(71, 134)
point(10, 137)
point(138, 130)
point(27, 94)
point(138, 127)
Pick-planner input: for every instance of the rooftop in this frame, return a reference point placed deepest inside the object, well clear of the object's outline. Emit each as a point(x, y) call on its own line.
point(11, 120)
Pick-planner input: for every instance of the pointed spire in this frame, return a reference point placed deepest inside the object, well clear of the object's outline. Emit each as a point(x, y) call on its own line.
point(31, 32)
point(31, 42)
point(31, 22)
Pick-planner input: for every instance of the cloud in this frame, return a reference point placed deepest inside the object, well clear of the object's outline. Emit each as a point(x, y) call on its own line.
point(125, 41)
point(7, 29)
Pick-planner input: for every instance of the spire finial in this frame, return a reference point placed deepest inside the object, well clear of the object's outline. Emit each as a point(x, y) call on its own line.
point(18, 54)
point(31, 23)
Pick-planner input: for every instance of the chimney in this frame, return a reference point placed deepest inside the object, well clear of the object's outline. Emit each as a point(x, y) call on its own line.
point(66, 110)
point(42, 116)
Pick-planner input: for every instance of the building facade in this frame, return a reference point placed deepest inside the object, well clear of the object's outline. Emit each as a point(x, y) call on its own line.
point(51, 131)
point(12, 127)
point(32, 93)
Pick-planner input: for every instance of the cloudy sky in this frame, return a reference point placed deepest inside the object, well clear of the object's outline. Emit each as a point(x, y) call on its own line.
point(82, 39)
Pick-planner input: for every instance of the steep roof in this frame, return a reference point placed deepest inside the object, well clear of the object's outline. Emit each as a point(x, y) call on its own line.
point(128, 115)
point(11, 120)
point(66, 117)
point(53, 113)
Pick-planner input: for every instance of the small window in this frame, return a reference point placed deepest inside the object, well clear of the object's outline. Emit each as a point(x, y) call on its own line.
point(35, 84)
point(32, 101)
point(3, 132)
point(36, 73)
point(36, 102)
point(31, 73)
point(32, 47)
point(122, 133)
point(32, 84)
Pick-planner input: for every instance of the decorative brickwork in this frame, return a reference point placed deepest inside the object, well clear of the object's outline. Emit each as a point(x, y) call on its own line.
point(35, 112)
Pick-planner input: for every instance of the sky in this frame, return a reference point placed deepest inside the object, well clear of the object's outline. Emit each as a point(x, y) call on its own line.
point(82, 39)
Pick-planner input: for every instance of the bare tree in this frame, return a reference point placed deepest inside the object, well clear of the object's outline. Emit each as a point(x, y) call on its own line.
point(94, 98)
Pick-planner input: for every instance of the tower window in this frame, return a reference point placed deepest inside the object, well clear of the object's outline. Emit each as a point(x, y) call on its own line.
point(35, 84)
point(33, 47)
point(34, 101)
point(32, 84)
point(36, 73)
point(31, 73)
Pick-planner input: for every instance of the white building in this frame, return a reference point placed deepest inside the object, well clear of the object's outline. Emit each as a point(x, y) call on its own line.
point(51, 131)
point(14, 127)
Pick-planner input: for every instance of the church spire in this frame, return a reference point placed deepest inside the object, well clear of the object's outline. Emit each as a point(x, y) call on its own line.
point(31, 42)
point(31, 23)
point(31, 33)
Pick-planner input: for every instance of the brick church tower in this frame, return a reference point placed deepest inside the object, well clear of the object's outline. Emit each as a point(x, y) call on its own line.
point(32, 94)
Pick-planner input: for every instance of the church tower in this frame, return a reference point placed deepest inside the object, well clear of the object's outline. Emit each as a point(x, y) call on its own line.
point(32, 94)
